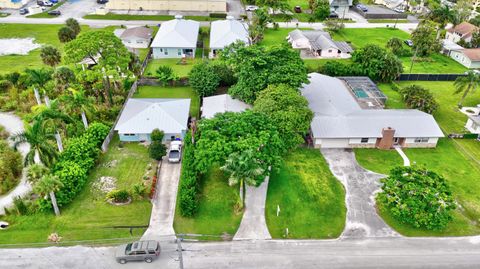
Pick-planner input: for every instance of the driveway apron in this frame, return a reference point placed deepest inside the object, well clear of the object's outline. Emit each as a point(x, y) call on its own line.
point(361, 186)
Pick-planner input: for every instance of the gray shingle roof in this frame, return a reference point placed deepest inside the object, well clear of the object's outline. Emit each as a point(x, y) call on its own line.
point(177, 33)
point(137, 32)
point(338, 115)
point(142, 115)
point(221, 104)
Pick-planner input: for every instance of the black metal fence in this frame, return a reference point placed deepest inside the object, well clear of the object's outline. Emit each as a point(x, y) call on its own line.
point(429, 77)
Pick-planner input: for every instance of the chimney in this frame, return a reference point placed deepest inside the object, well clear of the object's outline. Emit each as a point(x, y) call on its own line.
point(386, 142)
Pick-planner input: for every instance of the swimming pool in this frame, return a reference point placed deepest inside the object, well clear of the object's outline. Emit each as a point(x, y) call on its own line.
point(360, 93)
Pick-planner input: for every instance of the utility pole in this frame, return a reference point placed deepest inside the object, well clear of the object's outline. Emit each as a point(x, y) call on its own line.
point(413, 59)
point(180, 250)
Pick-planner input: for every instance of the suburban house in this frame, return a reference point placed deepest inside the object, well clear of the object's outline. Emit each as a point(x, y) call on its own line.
point(469, 58)
point(473, 122)
point(462, 31)
point(341, 7)
point(226, 32)
point(318, 44)
point(142, 115)
point(169, 5)
point(449, 46)
point(221, 104)
point(137, 37)
point(14, 4)
point(348, 113)
point(176, 39)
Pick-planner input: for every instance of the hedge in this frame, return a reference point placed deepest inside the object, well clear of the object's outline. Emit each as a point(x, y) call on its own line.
point(218, 15)
point(188, 181)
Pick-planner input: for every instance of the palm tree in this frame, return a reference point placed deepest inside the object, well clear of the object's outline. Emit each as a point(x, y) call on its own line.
point(466, 84)
point(243, 168)
point(39, 140)
point(50, 56)
point(38, 78)
point(78, 103)
point(36, 172)
point(49, 184)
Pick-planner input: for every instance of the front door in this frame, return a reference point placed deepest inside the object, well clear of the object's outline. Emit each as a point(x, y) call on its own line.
point(396, 140)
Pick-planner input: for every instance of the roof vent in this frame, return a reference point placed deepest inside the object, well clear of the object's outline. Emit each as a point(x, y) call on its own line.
point(230, 18)
point(178, 17)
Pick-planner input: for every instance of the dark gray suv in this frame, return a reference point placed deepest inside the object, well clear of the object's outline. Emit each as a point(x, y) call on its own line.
point(138, 251)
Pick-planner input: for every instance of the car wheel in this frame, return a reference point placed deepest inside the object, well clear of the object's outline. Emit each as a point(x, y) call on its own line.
point(122, 261)
point(148, 260)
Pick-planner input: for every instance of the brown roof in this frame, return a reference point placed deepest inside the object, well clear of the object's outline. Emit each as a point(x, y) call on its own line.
point(472, 54)
point(140, 32)
point(464, 28)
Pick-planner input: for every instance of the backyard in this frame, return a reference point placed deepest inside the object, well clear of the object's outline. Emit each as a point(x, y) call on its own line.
point(89, 217)
point(311, 199)
point(457, 160)
point(171, 92)
point(216, 213)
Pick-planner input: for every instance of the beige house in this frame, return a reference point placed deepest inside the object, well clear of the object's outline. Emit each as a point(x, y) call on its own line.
point(169, 5)
point(318, 44)
point(462, 31)
point(15, 4)
point(469, 58)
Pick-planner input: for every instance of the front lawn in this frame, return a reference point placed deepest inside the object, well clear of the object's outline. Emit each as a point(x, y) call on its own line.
point(216, 213)
point(89, 217)
point(311, 199)
point(171, 92)
point(436, 64)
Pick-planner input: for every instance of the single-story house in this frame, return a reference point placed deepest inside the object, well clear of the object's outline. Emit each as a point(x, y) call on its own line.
point(318, 44)
point(137, 37)
point(473, 122)
point(469, 58)
point(142, 115)
point(220, 104)
point(226, 32)
point(213, 6)
point(341, 122)
point(449, 46)
point(176, 38)
point(463, 31)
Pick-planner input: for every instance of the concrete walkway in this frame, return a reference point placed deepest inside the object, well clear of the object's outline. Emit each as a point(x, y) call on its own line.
point(406, 161)
point(163, 211)
point(253, 225)
point(361, 186)
point(14, 125)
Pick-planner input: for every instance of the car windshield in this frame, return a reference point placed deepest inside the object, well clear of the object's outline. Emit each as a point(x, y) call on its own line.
point(128, 248)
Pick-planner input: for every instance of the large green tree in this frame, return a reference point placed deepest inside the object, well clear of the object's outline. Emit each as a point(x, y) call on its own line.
point(258, 25)
point(466, 84)
point(256, 67)
point(321, 10)
point(204, 79)
point(377, 63)
point(288, 110)
point(424, 39)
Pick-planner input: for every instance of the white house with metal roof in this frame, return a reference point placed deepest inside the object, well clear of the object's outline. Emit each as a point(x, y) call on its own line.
point(220, 104)
point(176, 38)
point(318, 44)
point(142, 115)
point(226, 32)
point(341, 122)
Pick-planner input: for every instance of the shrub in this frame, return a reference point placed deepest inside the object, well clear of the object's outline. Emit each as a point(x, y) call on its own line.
point(203, 79)
point(157, 150)
point(165, 74)
point(139, 190)
point(10, 167)
point(418, 197)
point(225, 73)
point(5, 85)
point(20, 206)
point(188, 181)
point(157, 135)
point(218, 15)
point(118, 196)
point(417, 97)
point(66, 34)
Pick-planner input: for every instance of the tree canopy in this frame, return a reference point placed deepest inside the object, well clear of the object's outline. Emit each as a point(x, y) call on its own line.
point(204, 79)
point(256, 67)
point(420, 98)
point(424, 39)
point(378, 63)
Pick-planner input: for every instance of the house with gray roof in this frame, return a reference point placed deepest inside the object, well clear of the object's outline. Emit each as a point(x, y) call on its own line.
point(136, 37)
point(473, 121)
point(226, 32)
point(176, 38)
point(340, 121)
point(220, 104)
point(318, 44)
point(142, 115)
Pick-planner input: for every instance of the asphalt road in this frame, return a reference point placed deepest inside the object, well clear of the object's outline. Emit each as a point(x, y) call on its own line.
point(365, 253)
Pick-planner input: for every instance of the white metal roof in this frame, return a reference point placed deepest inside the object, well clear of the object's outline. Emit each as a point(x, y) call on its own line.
point(221, 104)
point(177, 33)
point(142, 115)
point(338, 115)
point(226, 32)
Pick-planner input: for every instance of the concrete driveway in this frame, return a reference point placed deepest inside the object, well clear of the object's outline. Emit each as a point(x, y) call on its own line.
point(163, 210)
point(361, 186)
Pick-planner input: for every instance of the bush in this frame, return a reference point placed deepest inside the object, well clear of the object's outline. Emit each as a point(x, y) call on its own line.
point(5, 85)
point(417, 97)
point(203, 79)
point(418, 197)
point(157, 150)
point(10, 167)
point(337, 68)
point(157, 135)
point(20, 206)
point(218, 15)
point(225, 73)
point(165, 74)
point(66, 34)
point(139, 190)
point(118, 196)
point(188, 181)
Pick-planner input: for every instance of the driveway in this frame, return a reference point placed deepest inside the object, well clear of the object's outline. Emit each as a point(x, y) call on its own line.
point(253, 225)
point(163, 210)
point(361, 186)
point(14, 125)
point(235, 8)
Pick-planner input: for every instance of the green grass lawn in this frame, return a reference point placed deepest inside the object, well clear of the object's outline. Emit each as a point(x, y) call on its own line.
point(127, 17)
point(392, 21)
point(359, 37)
point(311, 199)
point(171, 92)
point(437, 64)
point(89, 217)
point(216, 213)
point(181, 70)
point(457, 160)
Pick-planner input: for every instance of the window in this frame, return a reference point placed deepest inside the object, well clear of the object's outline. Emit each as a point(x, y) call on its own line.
point(364, 140)
point(329, 50)
point(421, 140)
point(128, 134)
point(179, 52)
point(161, 50)
point(151, 251)
point(139, 42)
point(166, 52)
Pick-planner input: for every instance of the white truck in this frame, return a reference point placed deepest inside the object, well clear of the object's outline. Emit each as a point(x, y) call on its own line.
point(175, 151)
